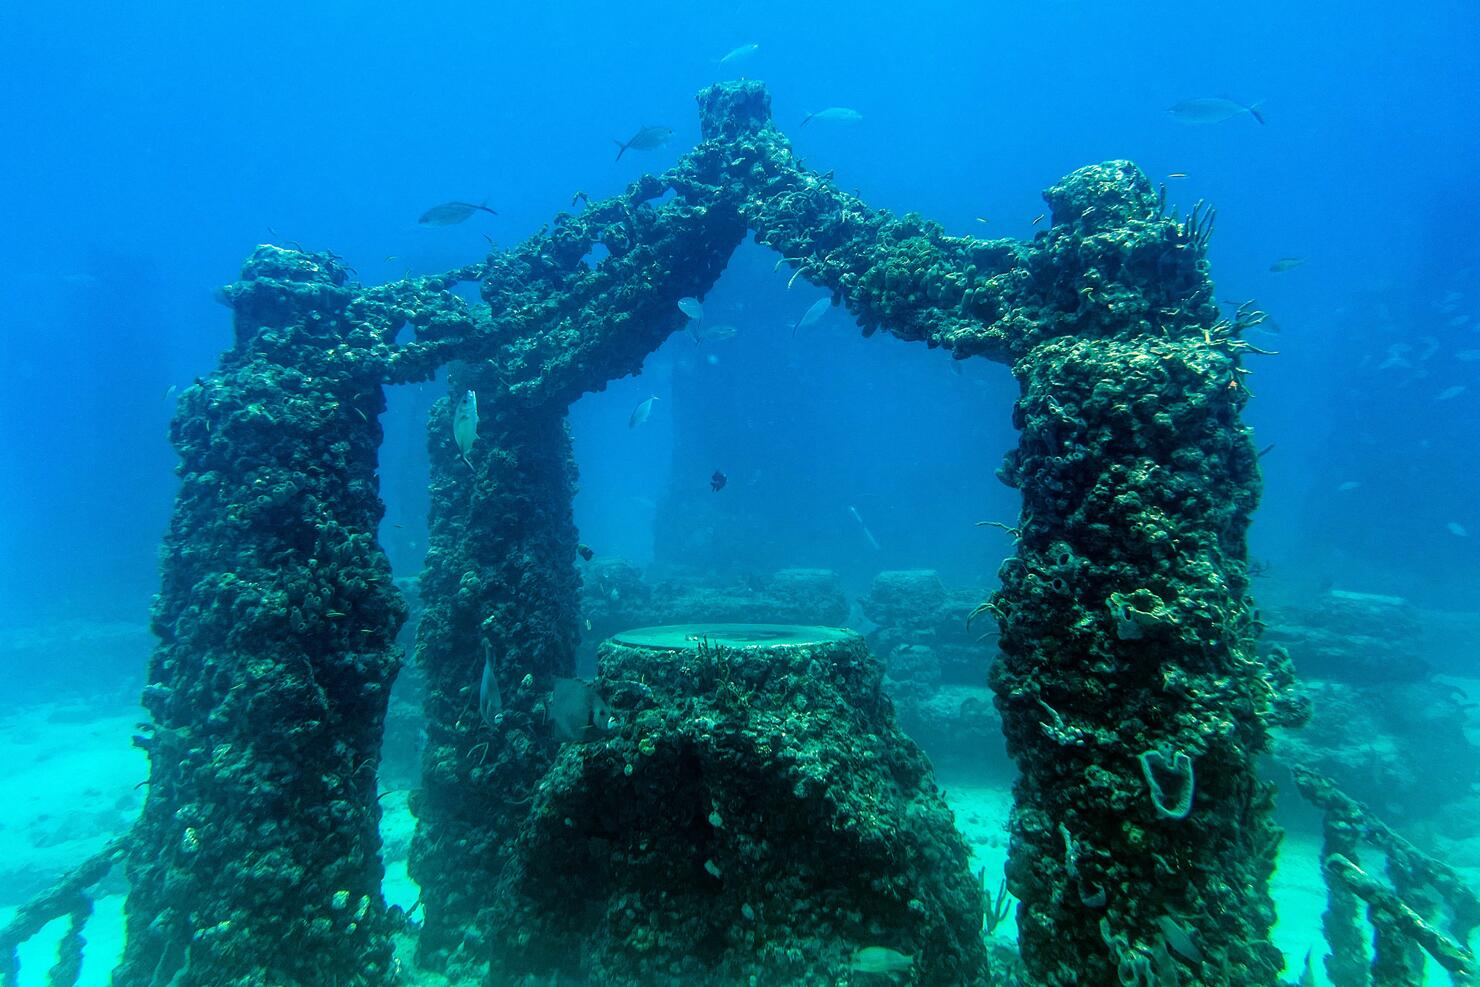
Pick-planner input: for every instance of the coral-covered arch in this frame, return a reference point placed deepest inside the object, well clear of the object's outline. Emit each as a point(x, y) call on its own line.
point(256, 859)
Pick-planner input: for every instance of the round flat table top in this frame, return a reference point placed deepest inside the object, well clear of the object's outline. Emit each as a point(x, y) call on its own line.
point(690, 636)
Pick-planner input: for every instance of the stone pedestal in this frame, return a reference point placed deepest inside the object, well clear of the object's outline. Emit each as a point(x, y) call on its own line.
point(746, 808)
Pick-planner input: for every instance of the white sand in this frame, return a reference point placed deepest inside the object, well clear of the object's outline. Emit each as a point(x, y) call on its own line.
point(73, 777)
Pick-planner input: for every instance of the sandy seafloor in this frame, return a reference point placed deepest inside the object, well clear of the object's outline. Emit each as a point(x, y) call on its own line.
point(74, 782)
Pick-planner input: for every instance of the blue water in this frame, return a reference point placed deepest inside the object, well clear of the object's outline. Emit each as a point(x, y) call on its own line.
point(148, 148)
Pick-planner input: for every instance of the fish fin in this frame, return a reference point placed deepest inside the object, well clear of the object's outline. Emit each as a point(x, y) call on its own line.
point(1254, 111)
point(467, 460)
point(805, 119)
point(621, 148)
point(484, 207)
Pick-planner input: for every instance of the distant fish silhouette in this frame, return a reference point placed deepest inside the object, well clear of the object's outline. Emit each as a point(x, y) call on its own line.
point(1212, 109)
point(814, 312)
point(834, 114)
point(452, 213)
point(1286, 264)
point(740, 54)
point(646, 139)
point(717, 481)
point(641, 412)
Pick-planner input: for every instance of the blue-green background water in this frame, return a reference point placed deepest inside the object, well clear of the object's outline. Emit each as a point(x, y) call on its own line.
point(149, 147)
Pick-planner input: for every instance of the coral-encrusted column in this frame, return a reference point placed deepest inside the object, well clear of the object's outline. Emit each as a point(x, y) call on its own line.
point(256, 860)
point(500, 582)
point(1132, 699)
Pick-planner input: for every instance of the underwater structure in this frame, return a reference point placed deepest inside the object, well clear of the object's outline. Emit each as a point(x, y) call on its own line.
point(1131, 697)
point(1133, 700)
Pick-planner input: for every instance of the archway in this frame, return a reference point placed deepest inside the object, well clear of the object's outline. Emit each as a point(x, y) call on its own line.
point(1132, 700)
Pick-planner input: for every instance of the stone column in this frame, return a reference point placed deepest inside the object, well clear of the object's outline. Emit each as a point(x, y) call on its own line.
point(256, 858)
point(1141, 844)
point(500, 580)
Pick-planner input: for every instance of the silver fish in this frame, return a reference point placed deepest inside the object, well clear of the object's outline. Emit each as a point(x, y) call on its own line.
point(712, 334)
point(1179, 939)
point(1212, 109)
point(490, 700)
point(577, 710)
point(646, 139)
point(452, 213)
point(465, 425)
point(690, 306)
point(835, 114)
point(740, 54)
point(1450, 393)
point(1286, 264)
point(641, 412)
point(813, 313)
point(881, 959)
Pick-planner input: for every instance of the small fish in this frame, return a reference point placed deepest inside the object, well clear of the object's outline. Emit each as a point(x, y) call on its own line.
point(465, 425)
point(452, 213)
point(880, 959)
point(740, 54)
point(1450, 393)
point(1179, 939)
point(585, 551)
point(1177, 174)
point(1457, 530)
point(1038, 219)
point(866, 533)
point(1212, 109)
point(690, 306)
point(813, 313)
point(717, 481)
point(646, 139)
point(1286, 264)
point(834, 114)
point(1458, 321)
point(712, 334)
point(1347, 486)
point(170, 392)
point(577, 710)
point(981, 219)
point(490, 700)
point(641, 412)
point(1467, 356)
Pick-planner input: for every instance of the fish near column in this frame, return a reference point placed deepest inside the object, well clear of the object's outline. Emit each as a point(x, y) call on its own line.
point(501, 596)
point(256, 858)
